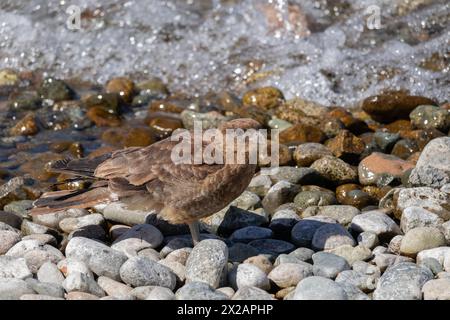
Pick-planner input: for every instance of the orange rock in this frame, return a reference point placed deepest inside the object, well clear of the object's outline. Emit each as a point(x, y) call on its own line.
point(346, 145)
point(300, 133)
point(27, 126)
point(265, 98)
point(103, 118)
point(122, 86)
point(399, 125)
point(164, 106)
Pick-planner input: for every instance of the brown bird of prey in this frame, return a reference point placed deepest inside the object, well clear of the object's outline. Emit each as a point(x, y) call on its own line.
point(148, 179)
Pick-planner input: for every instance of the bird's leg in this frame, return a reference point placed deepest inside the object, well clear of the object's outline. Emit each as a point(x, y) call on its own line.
point(195, 232)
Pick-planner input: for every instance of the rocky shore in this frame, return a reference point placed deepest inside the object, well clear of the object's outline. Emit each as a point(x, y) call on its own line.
point(359, 209)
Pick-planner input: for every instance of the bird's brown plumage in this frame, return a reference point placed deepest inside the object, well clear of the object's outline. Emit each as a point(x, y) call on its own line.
point(147, 178)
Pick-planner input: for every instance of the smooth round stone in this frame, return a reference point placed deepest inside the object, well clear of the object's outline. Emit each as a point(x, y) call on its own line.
point(368, 239)
point(413, 217)
point(252, 293)
point(161, 293)
point(177, 268)
point(366, 268)
point(343, 214)
point(289, 274)
point(286, 258)
point(241, 251)
point(174, 244)
point(283, 221)
point(302, 254)
point(139, 271)
point(53, 219)
point(94, 232)
point(12, 267)
point(20, 207)
point(207, 262)
point(353, 292)
point(272, 246)
point(77, 295)
point(261, 261)
point(7, 240)
point(328, 265)
point(37, 257)
point(280, 193)
point(199, 291)
point(445, 228)
point(149, 253)
point(303, 232)
point(42, 238)
point(307, 199)
point(71, 224)
point(228, 291)
point(141, 293)
point(330, 236)
point(376, 222)
point(249, 275)
point(50, 273)
point(386, 260)
point(83, 282)
point(306, 153)
point(119, 213)
point(394, 244)
point(100, 258)
point(363, 282)
point(294, 175)
point(403, 281)
point(13, 289)
point(319, 288)
point(335, 170)
point(352, 254)
point(233, 218)
point(179, 255)
point(438, 289)
point(117, 230)
point(247, 200)
point(432, 264)
point(421, 238)
point(428, 198)
point(137, 238)
point(113, 287)
point(428, 116)
point(248, 234)
point(260, 185)
point(45, 288)
point(39, 297)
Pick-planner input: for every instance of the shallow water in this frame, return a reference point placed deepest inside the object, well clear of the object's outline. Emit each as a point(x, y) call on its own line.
point(325, 52)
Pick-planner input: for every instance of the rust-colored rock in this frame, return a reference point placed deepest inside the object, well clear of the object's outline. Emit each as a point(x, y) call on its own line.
point(26, 126)
point(300, 133)
point(164, 126)
point(354, 125)
point(399, 125)
point(122, 86)
point(393, 105)
point(129, 137)
point(164, 106)
point(266, 98)
point(102, 118)
point(346, 145)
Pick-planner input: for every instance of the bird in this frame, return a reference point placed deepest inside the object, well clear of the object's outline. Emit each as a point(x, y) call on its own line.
point(147, 178)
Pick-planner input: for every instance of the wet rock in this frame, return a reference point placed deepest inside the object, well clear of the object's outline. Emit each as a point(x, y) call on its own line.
point(432, 168)
point(249, 275)
point(424, 197)
point(266, 98)
point(124, 87)
point(306, 153)
point(50, 273)
point(155, 88)
point(251, 293)
point(290, 274)
point(421, 238)
point(272, 246)
point(404, 281)
point(13, 289)
point(279, 124)
point(391, 106)
point(301, 133)
point(7, 240)
point(55, 90)
point(101, 259)
point(346, 145)
point(376, 222)
point(385, 140)
point(207, 262)
point(335, 170)
point(307, 199)
point(438, 289)
point(196, 290)
point(209, 119)
point(280, 193)
point(140, 271)
point(382, 169)
point(428, 116)
point(102, 118)
point(27, 126)
point(330, 236)
point(11, 267)
point(137, 238)
point(319, 288)
point(413, 217)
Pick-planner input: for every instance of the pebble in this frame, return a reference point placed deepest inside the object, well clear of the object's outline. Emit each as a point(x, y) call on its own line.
point(248, 234)
point(433, 163)
point(39, 297)
point(46, 288)
point(161, 293)
point(346, 146)
point(330, 236)
point(335, 169)
point(352, 254)
point(289, 274)
point(280, 193)
point(53, 219)
point(10, 219)
point(76, 295)
point(382, 169)
point(113, 287)
point(368, 239)
point(100, 258)
point(42, 238)
point(394, 244)
point(376, 222)
point(272, 246)
point(386, 260)
point(265, 98)
point(403, 281)
point(261, 261)
point(260, 185)
point(432, 264)
point(249, 275)
point(140, 271)
point(414, 217)
point(20, 207)
point(252, 293)
point(83, 282)
point(302, 233)
point(117, 212)
point(195, 290)
point(366, 283)
point(207, 262)
point(421, 238)
point(428, 198)
point(7, 240)
point(179, 255)
point(239, 252)
point(309, 198)
point(29, 228)
point(328, 265)
point(54, 89)
point(12, 267)
point(13, 289)
point(94, 232)
point(319, 288)
point(305, 154)
point(177, 268)
point(299, 176)
point(438, 289)
point(353, 292)
point(428, 116)
point(139, 237)
point(283, 221)
point(71, 224)
point(343, 214)
point(50, 273)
